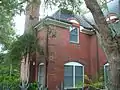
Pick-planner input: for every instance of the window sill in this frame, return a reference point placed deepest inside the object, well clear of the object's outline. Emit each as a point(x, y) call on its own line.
point(74, 42)
point(80, 88)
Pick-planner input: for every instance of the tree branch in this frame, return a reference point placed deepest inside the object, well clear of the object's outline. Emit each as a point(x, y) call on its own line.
point(99, 19)
point(94, 26)
point(23, 1)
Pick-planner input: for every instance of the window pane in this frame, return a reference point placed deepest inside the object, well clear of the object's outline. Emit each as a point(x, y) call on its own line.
point(41, 74)
point(41, 68)
point(106, 73)
point(74, 38)
point(68, 81)
point(78, 81)
point(68, 76)
point(41, 80)
point(78, 70)
point(74, 31)
point(68, 71)
point(79, 76)
point(74, 34)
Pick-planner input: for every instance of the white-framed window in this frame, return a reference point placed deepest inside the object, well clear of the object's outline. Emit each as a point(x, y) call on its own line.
point(112, 18)
point(73, 75)
point(106, 74)
point(74, 34)
point(41, 74)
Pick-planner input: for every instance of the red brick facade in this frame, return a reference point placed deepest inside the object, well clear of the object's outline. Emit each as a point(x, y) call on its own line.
point(60, 50)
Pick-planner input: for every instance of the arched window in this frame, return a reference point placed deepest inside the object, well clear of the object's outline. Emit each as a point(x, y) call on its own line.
point(41, 75)
point(73, 75)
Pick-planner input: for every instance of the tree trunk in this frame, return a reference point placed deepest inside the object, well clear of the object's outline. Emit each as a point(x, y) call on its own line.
point(32, 14)
point(32, 18)
point(110, 44)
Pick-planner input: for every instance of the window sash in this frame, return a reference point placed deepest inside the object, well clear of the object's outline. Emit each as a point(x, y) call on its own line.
point(79, 73)
point(68, 73)
point(74, 34)
point(68, 81)
point(41, 74)
point(74, 76)
point(74, 31)
point(106, 74)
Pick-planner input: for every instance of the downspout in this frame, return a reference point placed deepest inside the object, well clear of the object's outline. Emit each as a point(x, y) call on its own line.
point(46, 58)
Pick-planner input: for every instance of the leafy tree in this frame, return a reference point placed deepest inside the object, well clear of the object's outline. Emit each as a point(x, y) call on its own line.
point(8, 9)
point(9, 78)
point(10, 61)
point(21, 52)
point(32, 18)
point(22, 46)
point(9, 73)
point(110, 44)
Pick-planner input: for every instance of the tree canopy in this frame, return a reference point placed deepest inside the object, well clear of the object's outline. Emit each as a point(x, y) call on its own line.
point(8, 9)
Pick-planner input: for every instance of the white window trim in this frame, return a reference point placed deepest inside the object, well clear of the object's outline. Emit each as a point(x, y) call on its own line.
point(74, 64)
point(41, 64)
point(77, 36)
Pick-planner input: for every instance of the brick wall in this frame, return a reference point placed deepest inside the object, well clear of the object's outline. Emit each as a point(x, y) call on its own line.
point(61, 51)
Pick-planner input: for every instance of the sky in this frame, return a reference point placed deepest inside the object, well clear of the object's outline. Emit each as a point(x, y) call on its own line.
point(19, 24)
point(20, 19)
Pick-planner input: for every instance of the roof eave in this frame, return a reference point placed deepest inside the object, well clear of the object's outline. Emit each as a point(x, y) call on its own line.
point(52, 21)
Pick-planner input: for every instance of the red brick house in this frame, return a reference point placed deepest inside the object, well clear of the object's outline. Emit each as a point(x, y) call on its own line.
point(69, 51)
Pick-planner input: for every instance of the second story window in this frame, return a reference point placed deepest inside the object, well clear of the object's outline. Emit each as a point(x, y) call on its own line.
point(74, 34)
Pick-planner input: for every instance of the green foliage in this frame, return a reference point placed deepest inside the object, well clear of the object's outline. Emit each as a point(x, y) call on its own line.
point(80, 84)
point(22, 46)
point(97, 83)
point(9, 73)
point(9, 69)
point(9, 76)
point(33, 86)
point(7, 81)
point(66, 11)
point(76, 6)
point(73, 5)
point(8, 9)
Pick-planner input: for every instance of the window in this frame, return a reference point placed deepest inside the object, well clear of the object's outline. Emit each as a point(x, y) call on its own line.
point(73, 75)
point(74, 34)
point(112, 18)
point(106, 74)
point(41, 74)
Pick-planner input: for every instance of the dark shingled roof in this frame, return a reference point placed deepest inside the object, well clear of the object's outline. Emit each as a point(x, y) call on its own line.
point(64, 16)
